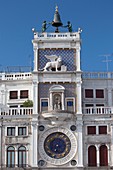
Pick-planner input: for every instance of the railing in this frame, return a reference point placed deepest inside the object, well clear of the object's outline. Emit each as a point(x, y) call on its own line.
point(98, 110)
point(97, 75)
point(15, 76)
point(55, 35)
point(16, 111)
point(29, 111)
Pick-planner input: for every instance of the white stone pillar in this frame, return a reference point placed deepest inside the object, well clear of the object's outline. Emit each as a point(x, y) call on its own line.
point(112, 145)
point(51, 101)
point(34, 144)
point(78, 59)
point(35, 58)
point(35, 97)
point(108, 148)
point(3, 97)
point(78, 98)
point(97, 130)
point(62, 101)
point(110, 99)
point(16, 131)
point(98, 157)
point(16, 157)
point(27, 163)
point(80, 143)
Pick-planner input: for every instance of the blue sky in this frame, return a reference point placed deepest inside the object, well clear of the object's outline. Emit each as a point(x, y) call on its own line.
point(18, 17)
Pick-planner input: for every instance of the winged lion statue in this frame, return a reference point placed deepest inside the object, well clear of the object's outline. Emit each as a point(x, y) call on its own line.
point(55, 62)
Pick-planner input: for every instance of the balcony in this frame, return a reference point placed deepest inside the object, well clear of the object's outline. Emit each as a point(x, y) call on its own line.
point(16, 76)
point(98, 110)
point(45, 35)
point(97, 75)
point(16, 111)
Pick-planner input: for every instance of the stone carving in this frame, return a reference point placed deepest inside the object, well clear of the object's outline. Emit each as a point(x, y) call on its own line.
point(57, 102)
point(55, 63)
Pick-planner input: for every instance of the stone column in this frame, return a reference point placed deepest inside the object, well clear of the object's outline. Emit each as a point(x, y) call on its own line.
point(3, 96)
point(16, 157)
point(78, 98)
point(98, 158)
point(110, 100)
point(112, 145)
point(97, 130)
point(78, 59)
point(62, 101)
point(80, 142)
point(35, 97)
point(108, 155)
point(27, 162)
point(35, 58)
point(51, 101)
point(1, 142)
point(34, 144)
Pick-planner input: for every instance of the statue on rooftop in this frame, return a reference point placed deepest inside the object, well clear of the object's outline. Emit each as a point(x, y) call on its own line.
point(44, 24)
point(69, 26)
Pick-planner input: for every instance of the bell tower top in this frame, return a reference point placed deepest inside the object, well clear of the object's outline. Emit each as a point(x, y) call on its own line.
point(56, 8)
point(56, 21)
point(57, 45)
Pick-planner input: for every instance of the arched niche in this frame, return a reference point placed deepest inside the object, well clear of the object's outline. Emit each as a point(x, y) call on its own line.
point(56, 97)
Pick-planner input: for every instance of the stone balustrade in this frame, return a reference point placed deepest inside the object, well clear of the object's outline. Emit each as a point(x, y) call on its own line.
point(97, 75)
point(56, 35)
point(98, 110)
point(15, 76)
point(16, 111)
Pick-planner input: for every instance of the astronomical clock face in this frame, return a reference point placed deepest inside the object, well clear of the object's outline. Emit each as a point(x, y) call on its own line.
point(58, 146)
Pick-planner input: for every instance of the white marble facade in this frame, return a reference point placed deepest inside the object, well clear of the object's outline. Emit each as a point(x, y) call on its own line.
point(71, 117)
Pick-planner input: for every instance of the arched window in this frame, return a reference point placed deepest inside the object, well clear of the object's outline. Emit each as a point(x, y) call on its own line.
point(103, 155)
point(10, 156)
point(22, 156)
point(92, 159)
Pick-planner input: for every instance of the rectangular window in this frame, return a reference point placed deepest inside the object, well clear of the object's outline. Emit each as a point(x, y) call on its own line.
point(89, 105)
point(88, 93)
point(99, 93)
point(10, 131)
point(23, 94)
point(44, 104)
point(102, 129)
point(21, 131)
point(13, 94)
point(91, 130)
point(70, 105)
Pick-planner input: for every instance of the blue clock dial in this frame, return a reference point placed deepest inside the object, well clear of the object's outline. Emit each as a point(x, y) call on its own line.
point(57, 145)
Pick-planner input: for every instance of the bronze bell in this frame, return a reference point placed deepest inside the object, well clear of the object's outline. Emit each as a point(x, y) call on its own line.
point(57, 21)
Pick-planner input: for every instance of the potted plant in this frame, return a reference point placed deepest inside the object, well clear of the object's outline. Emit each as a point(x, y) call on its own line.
point(28, 103)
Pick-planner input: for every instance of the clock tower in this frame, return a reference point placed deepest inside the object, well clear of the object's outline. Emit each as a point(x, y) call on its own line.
point(57, 120)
